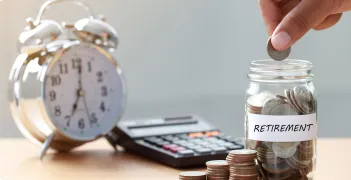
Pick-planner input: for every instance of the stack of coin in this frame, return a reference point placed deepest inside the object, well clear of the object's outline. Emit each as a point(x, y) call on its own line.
point(242, 164)
point(217, 170)
point(192, 175)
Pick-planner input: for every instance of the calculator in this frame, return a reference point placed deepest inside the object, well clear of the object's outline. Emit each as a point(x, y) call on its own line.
point(179, 142)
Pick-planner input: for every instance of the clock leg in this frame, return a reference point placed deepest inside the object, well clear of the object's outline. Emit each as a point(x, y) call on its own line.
point(46, 145)
point(112, 139)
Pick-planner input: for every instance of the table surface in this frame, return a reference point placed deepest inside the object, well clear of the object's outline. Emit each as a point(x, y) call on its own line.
point(19, 160)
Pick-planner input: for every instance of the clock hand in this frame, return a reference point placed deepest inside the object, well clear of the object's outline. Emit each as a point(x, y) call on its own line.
point(75, 105)
point(79, 91)
point(86, 108)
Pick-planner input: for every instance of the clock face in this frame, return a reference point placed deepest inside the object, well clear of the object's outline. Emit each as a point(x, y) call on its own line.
point(83, 93)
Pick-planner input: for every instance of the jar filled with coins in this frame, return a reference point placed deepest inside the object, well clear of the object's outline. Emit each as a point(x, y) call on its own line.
point(281, 120)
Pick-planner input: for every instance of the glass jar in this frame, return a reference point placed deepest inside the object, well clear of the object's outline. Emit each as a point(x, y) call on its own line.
point(281, 120)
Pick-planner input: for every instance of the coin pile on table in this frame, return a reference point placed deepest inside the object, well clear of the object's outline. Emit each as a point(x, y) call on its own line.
point(283, 160)
point(192, 175)
point(242, 164)
point(217, 170)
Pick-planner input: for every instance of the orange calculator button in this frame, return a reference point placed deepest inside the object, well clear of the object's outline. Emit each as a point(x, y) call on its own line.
point(213, 133)
point(196, 135)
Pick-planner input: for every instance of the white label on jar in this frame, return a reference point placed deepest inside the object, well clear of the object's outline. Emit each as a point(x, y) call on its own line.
point(282, 128)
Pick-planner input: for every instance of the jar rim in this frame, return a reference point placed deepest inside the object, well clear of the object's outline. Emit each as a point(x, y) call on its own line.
point(286, 70)
point(288, 64)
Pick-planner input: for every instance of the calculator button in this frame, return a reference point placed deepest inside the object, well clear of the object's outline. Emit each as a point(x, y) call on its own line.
point(233, 147)
point(180, 142)
point(162, 143)
point(219, 150)
point(176, 149)
point(227, 144)
point(188, 144)
point(220, 142)
point(213, 133)
point(204, 143)
point(183, 136)
point(153, 140)
point(211, 139)
point(196, 135)
point(203, 151)
point(195, 147)
point(186, 152)
point(210, 146)
point(197, 141)
point(169, 146)
point(168, 138)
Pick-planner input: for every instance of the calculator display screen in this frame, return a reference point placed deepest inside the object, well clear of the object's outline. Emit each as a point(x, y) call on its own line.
point(142, 131)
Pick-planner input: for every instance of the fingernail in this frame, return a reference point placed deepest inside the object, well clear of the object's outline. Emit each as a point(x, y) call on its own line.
point(281, 41)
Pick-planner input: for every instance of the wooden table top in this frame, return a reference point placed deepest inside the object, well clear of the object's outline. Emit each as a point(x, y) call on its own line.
point(19, 160)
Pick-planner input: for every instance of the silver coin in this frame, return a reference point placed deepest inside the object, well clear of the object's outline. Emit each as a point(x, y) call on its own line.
point(303, 98)
point(243, 152)
point(288, 144)
point(283, 152)
point(275, 54)
point(291, 100)
point(283, 109)
point(287, 94)
point(281, 97)
point(259, 99)
point(276, 168)
point(271, 104)
point(268, 144)
point(253, 144)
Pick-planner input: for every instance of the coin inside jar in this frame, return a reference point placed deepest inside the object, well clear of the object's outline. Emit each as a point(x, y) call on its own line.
point(283, 151)
point(275, 54)
point(303, 98)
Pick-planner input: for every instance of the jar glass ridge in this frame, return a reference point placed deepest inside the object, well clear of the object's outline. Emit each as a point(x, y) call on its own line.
point(281, 118)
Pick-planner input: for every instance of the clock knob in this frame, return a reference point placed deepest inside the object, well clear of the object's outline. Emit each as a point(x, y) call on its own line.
point(97, 32)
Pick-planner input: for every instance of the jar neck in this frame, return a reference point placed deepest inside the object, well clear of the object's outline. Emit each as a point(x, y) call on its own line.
point(287, 71)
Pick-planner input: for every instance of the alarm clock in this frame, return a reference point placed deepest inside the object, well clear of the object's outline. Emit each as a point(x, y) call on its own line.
point(65, 87)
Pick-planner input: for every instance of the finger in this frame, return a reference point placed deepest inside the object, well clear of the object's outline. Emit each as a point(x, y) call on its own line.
point(288, 5)
point(340, 6)
point(271, 14)
point(328, 22)
point(298, 21)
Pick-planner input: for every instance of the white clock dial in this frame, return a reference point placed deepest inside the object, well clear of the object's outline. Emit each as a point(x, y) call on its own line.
point(83, 93)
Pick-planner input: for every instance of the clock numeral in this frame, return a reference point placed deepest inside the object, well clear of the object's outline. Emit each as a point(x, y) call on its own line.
point(68, 120)
point(104, 91)
point(102, 106)
point(89, 66)
point(76, 62)
point(52, 95)
point(57, 110)
point(99, 75)
point(63, 68)
point(81, 124)
point(93, 118)
point(56, 80)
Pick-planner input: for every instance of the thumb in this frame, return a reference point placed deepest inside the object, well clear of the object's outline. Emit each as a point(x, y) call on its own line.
point(298, 22)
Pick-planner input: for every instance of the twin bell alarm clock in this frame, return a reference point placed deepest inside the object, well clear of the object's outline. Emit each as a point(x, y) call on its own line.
point(66, 89)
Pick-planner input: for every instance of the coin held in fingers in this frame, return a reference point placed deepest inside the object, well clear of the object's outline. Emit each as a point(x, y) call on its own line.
point(275, 54)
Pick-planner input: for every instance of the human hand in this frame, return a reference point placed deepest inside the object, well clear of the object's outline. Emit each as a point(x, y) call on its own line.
point(288, 20)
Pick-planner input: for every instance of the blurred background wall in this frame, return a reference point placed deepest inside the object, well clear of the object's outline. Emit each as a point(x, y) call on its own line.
point(192, 56)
